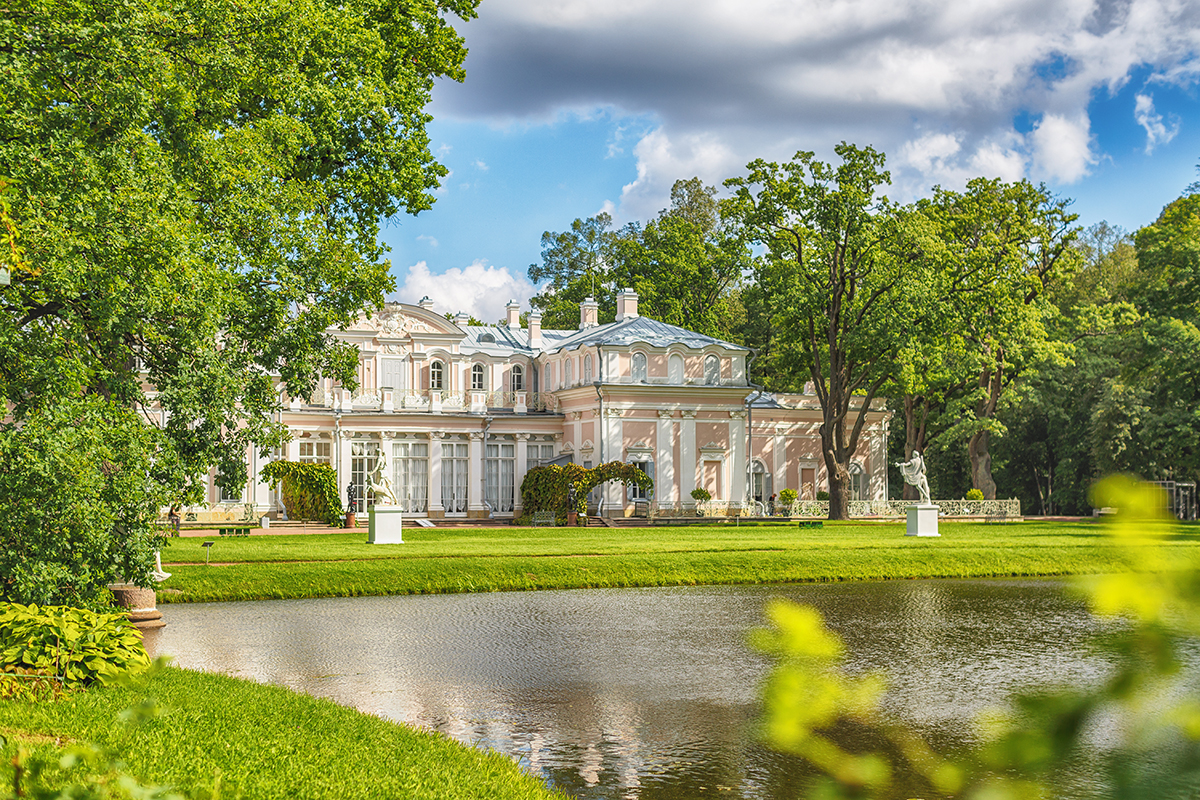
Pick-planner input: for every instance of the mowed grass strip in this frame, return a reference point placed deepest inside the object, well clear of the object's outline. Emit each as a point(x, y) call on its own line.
point(514, 559)
point(230, 738)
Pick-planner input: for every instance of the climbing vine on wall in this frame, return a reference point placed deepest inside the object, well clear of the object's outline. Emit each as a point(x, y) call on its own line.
point(549, 488)
point(309, 491)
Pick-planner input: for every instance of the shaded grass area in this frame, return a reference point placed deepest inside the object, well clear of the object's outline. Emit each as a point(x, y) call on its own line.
point(502, 559)
point(229, 738)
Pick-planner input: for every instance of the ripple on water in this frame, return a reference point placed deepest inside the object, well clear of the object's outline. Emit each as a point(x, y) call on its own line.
point(642, 693)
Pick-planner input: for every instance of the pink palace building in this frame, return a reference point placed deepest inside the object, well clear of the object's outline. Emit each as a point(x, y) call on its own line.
point(463, 411)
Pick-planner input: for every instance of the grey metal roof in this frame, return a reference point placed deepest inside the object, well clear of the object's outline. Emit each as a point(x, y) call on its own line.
point(631, 331)
point(627, 332)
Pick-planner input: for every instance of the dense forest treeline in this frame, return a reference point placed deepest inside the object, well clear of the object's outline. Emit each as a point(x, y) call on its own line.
point(1027, 354)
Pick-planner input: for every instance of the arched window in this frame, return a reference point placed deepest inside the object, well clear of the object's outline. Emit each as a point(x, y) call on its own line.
point(639, 367)
point(587, 368)
point(859, 483)
point(516, 378)
point(435, 375)
point(712, 370)
point(477, 377)
point(675, 369)
point(760, 483)
point(569, 374)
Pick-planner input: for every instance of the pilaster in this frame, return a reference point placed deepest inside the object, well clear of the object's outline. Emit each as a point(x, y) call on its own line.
point(436, 509)
point(737, 455)
point(687, 455)
point(666, 490)
point(475, 507)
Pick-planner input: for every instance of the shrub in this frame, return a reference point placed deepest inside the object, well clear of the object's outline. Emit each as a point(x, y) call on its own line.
point(81, 484)
point(701, 495)
point(974, 494)
point(787, 497)
point(80, 646)
point(822, 495)
point(309, 491)
point(551, 487)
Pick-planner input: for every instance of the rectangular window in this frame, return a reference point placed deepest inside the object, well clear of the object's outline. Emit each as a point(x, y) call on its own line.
point(455, 460)
point(315, 453)
point(363, 458)
point(499, 472)
point(538, 454)
point(410, 475)
point(233, 495)
point(391, 374)
point(636, 492)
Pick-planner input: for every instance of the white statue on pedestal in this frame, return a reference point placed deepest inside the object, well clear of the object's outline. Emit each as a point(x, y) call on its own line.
point(913, 471)
point(381, 483)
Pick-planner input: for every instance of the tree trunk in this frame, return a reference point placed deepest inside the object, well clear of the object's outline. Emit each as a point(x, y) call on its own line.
point(981, 465)
point(839, 487)
point(916, 414)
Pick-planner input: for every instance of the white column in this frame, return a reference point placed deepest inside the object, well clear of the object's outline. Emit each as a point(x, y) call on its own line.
point(341, 460)
point(577, 433)
point(687, 456)
point(475, 473)
point(614, 492)
point(665, 490)
point(291, 451)
point(522, 467)
point(779, 460)
point(737, 455)
point(435, 473)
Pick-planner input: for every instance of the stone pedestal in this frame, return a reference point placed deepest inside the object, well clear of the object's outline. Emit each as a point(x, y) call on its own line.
point(922, 520)
point(140, 604)
point(385, 525)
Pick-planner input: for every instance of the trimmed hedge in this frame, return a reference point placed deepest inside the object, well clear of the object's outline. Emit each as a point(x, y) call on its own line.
point(552, 487)
point(309, 491)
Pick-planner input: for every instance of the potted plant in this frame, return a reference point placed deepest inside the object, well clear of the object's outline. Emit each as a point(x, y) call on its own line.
point(787, 498)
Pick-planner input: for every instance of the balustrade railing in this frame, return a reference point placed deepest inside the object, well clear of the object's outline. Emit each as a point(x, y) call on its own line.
point(820, 508)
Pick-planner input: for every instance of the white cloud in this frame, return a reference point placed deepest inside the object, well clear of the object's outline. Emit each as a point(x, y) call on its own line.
point(937, 84)
point(480, 165)
point(1157, 131)
point(1062, 148)
point(662, 161)
point(429, 240)
point(481, 289)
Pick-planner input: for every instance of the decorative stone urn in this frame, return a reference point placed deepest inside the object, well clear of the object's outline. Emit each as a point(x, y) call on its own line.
point(140, 605)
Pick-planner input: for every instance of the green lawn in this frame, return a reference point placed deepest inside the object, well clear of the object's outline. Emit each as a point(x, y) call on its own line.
point(499, 559)
point(226, 738)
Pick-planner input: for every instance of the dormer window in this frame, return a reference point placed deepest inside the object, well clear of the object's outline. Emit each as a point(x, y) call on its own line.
point(487, 338)
point(435, 375)
point(477, 377)
point(712, 370)
point(587, 368)
point(517, 378)
point(569, 376)
point(639, 367)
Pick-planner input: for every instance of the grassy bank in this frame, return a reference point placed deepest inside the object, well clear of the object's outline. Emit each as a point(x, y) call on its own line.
point(499, 559)
point(228, 738)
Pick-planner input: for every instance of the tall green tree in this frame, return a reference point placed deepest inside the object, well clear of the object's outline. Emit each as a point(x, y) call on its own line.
point(685, 265)
point(577, 264)
point(840, 267)
point(198, 186)
point(1149, 418)
point(1002, 244)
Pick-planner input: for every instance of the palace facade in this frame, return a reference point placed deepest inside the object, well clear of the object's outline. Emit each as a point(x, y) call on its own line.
point(464, 411)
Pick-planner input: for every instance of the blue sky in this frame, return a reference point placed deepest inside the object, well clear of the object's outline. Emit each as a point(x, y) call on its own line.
point(571, 107)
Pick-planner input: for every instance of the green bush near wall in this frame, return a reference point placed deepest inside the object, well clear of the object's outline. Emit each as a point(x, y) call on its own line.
point(309, 491)
point(549, 488)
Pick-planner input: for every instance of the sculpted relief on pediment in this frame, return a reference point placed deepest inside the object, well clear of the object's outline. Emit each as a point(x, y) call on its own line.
point(392, 321)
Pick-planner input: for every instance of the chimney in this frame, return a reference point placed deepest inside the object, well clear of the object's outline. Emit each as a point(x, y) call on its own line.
point(426, 303)
point(514, 315)
point(461, 319)
point(589, 313)
point(626, 304)
point(535, 329)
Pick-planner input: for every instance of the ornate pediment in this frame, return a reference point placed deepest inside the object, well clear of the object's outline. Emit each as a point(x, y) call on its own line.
point(399, 320)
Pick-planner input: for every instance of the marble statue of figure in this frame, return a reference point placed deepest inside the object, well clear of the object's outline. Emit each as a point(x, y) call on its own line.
point(913, 471)
point(381, 483)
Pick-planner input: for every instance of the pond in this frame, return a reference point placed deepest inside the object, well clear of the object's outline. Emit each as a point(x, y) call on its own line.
point(643, 693)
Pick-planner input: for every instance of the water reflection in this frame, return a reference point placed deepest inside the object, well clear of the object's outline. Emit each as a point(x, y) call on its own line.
point(641, 693)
